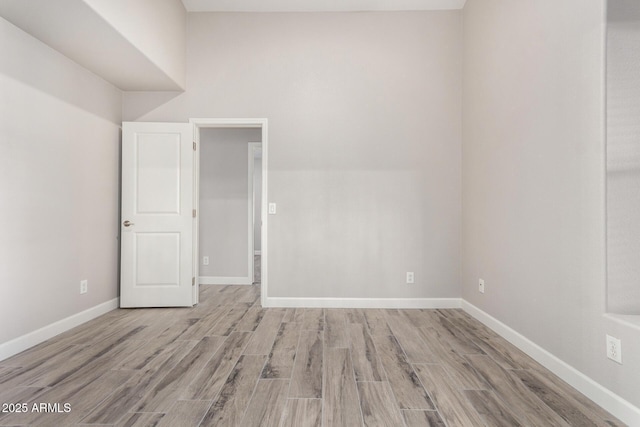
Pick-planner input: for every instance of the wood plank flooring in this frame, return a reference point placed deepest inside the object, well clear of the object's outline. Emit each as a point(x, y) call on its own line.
point(230, 362)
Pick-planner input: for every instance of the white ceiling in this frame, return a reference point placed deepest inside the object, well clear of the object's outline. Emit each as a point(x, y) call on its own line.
point(318, 5)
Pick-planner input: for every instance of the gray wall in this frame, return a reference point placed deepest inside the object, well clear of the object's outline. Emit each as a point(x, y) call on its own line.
point(224, 163)
point(623, 156)
point(257, 211)
point(364, 141)
point(534, 180)
point(59, 133)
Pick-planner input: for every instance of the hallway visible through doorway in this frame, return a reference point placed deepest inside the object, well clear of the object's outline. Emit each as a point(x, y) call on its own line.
point(256, 269)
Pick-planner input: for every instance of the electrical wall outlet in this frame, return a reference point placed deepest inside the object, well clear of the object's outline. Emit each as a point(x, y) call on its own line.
point(272, 209)
point(84, 286)
point(205, 260)
point(481, 286)
point(410, 277)
point(614, 349)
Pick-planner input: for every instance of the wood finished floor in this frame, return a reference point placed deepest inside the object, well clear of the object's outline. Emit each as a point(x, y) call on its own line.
point(229, 362)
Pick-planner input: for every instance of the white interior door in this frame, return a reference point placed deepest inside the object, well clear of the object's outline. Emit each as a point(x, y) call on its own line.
point(157, 215)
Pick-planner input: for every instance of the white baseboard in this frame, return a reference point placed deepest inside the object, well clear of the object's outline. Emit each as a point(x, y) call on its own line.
point(363, 302)
point(624, 410)
point(26, 341)
point(215, 280)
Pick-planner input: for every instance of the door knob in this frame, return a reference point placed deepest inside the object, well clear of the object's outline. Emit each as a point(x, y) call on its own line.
point(127, 223)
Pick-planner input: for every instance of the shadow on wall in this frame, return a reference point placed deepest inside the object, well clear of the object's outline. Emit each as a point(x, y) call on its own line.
point(146, 102)
point(49, 75)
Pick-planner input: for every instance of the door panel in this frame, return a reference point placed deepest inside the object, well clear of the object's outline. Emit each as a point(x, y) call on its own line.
point(157, 221)
point(158, 178)
point(158, 259)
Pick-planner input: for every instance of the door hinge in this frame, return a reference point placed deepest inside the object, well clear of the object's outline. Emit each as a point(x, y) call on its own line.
point(194, 213)
point(194, 146)
point(193, 281)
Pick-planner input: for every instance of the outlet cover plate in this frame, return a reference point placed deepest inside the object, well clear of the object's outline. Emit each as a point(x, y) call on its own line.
point(614, 349)
point(410, 277)
point(84, 285)
point(481, 286)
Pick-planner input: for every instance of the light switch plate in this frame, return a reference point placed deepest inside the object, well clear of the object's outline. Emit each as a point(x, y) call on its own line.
point(272, 208)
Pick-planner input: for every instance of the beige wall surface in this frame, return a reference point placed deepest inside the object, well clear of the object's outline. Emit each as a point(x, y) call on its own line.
point(364, 141)
point(534, 180)
point(59, 133)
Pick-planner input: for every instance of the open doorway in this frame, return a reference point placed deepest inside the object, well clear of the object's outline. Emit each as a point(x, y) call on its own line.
point(231, 180)
point(255, 178)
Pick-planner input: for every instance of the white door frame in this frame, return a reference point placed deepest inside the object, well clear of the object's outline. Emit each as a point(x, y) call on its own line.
point(198, 124)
